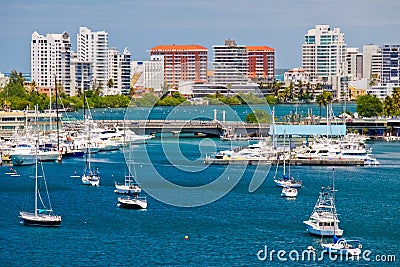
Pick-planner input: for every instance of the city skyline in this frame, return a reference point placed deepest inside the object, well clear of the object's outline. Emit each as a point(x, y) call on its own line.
point(141, 25)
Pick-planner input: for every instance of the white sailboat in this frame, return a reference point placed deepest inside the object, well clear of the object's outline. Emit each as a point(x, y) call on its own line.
point(128, 187)
point(132, 200)
point(286, 180)
point(42, 216)
point(90, 176)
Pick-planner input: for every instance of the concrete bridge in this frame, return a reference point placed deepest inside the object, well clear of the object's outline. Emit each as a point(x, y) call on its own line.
point(210, 128)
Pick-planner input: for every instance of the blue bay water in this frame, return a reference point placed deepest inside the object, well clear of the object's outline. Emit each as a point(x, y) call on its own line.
point(228, 232)
point(232, 113)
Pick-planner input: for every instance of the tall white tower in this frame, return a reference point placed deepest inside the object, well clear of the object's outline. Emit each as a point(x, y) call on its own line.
point(324, 57)
point(119, 70)
point(93, 48)
point(50, 59)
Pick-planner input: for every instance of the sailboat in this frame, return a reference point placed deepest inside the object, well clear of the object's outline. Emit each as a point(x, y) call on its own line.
point(90, 176)
point(41, 216)
point(286, 180)
point(324, 221)
point(128, 187)
point(132, 200)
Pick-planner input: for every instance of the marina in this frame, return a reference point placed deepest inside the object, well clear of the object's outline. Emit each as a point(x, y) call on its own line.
point(266, 219)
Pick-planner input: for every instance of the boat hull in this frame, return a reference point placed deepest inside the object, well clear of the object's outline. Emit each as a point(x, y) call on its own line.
point(334, 249)
point(126, 189)
point(40, 220)
point(135, 204)
point(23, 160)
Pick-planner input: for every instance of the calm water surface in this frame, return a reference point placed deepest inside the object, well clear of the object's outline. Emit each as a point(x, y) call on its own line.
point(228, 232)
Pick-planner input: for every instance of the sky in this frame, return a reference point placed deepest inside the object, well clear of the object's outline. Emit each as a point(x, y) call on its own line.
point(143, 24)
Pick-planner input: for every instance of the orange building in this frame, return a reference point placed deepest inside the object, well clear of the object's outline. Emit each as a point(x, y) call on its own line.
point(182, 62)
point(261, 62)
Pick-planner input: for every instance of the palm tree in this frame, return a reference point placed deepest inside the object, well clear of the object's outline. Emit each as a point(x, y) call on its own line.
point(320, 101)
point(276, 86)
point(284, 94)
point(323, 99)
point(110, 84)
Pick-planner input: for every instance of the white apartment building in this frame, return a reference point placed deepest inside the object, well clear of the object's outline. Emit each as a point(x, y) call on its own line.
point(50, 59)
point(295, 76)
point(149, 74)
point(372, 61)
point(81, 75)
point(324, 57)
point(354, 64)
point(119, 70)
point(230, 64)
point(93, 47)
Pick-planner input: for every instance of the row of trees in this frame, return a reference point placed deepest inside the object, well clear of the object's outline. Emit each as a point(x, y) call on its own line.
point(15, 96)
point(371, 106)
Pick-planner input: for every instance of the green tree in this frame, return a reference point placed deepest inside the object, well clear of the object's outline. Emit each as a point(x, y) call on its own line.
point(391, 105)
point(323, 99)
point(284, 95)
point(258, 116)
point(110, 84)
point(272, 100)
point(15, 87)
point(369, 106)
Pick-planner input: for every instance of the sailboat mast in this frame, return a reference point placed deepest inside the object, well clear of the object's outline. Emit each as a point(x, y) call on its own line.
point(284, 152)
point(57, 118)
point(36, 164)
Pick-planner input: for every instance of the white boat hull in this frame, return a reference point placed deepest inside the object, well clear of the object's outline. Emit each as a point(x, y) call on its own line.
point(341, 248)
point(132, 203)
point(289, 192)
point(28, 218)
point(127, 189)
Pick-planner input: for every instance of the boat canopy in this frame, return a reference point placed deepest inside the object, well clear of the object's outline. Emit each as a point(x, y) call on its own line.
point(308, 130)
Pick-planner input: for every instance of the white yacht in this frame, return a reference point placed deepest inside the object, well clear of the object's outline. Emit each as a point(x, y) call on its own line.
point(128, 187)
point(324, 220)
point(132, 202)
point(341, 246)
point(289, 192)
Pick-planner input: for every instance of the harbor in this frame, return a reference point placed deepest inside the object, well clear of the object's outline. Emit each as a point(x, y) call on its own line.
point(92, 219)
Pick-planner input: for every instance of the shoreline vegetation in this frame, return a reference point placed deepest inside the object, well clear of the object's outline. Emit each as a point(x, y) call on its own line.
point(16, 96)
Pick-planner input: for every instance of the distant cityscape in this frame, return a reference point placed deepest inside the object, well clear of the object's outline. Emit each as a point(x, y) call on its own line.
point(327, 64)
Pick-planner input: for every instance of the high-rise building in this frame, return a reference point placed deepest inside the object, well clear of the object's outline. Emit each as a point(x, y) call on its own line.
point(93, 47)
point(149, 74)
point(119, 70)
point(372, 61)
point(81, 75)
point(182, 62)
point(230, 64)
point(50, 60)
point(261, 62)
point(390, 73)
point(354, 64)
point(324, 57)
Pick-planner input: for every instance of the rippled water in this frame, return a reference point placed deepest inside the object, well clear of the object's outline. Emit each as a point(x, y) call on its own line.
point(228, 232)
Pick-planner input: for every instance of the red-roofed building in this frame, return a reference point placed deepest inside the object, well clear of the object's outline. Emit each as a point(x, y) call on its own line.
point(182, 62)
point(261, 62)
